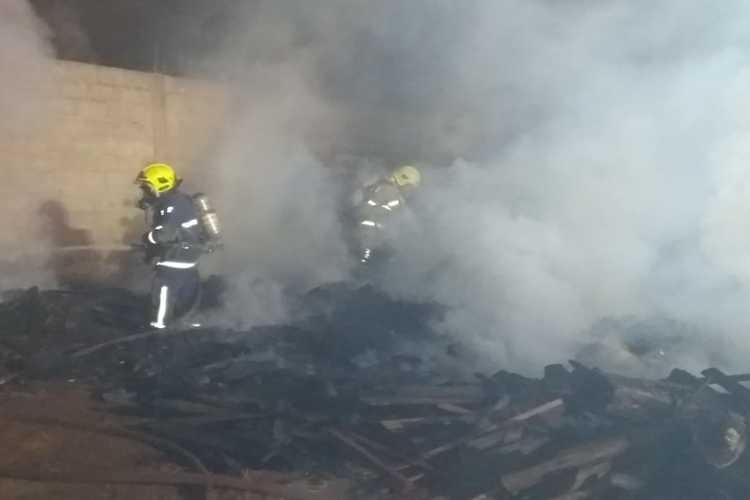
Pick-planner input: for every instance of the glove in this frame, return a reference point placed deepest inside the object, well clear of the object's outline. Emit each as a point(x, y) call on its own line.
point(150, 251)
point(146, 200)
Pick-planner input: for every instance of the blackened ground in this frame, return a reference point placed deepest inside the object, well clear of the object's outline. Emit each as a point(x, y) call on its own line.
point(361, 388)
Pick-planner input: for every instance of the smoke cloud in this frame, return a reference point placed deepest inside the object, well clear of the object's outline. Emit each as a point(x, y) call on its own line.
point(26, 74)
point(24, 63)
point(69, 38)
point(582, 160)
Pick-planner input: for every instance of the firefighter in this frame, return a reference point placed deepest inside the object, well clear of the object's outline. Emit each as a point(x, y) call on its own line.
point(375, 213)
point(174, 241)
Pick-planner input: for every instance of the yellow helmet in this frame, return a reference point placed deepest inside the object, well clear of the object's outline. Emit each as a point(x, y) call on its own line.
point(406, 176)
point(158, 178)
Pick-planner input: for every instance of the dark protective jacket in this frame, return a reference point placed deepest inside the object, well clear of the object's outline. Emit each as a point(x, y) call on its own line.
point(380, 201)
point(175, 234)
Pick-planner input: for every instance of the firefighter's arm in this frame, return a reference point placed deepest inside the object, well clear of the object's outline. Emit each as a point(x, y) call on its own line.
point(164, 232)
point(386, 199)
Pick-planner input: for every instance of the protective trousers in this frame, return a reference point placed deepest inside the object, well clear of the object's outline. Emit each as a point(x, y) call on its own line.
point(174, 293)
point(374, 248)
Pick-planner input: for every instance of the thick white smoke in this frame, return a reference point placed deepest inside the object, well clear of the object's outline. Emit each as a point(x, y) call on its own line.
point(589, 160)
point(26, 75)
point(280, 204)
point(25, 56)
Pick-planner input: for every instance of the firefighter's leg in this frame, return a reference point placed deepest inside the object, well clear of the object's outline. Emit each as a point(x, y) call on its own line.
point(369, 240)
point(188, 292)
point(163, 297)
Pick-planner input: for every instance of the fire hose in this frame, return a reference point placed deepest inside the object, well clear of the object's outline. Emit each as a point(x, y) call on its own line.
point(45, 252)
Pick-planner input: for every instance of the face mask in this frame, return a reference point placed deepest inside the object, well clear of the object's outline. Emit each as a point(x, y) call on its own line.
point(147, 198)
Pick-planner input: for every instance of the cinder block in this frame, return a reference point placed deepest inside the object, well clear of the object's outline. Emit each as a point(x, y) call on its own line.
point(109, 76)
point(61, 132)
point(101, 92)
point(135, 149)
point(76, 72)
point(138, 110)
point(73, 90)
point(50, 162)
point(174, 85)
point(116, 114)
point(61, 106)
point(137, 80)
point(97, 75)
point(69, 71)
point(135, 96)
point(92, 111)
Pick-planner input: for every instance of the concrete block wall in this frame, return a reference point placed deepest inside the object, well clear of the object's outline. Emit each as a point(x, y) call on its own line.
point(69, 179)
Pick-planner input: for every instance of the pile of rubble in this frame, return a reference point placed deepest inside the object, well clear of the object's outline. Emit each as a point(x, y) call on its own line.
point(350, 401)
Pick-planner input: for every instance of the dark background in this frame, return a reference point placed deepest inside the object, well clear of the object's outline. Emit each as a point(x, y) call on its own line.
point(168, 35)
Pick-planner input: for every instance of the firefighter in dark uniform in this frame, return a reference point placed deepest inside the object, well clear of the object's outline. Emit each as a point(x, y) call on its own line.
point(174, 240)
point(375, 212)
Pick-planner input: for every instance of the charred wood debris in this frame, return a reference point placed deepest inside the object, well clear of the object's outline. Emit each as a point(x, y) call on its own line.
point(363, 393)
